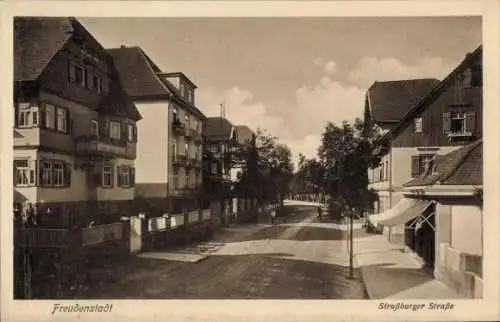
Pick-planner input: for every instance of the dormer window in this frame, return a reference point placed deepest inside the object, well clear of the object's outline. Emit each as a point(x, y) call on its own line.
point(183, 89)
point(471, 77)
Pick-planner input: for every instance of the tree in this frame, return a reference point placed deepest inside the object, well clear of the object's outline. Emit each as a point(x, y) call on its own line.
point(345, 156)
point(269, 168)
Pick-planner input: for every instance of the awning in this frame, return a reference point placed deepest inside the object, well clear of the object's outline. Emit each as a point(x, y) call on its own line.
point(405, 210)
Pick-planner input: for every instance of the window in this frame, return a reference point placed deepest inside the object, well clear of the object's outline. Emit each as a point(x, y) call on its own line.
point(174, 148)
point(214, 148)
point(107, 176)
point(175, 114)
point(195, 126)
point(213, 168)
point(187, 181)
point(124, 176)
point(191, 96)
point(58, 174)
point(62, 121)
point(95, 128)
point(418, 125)
point(22, 173)
point(186, 150)
point(50, 116)
point(183, 89)
point(420, 163)
point(382, 178)
point(97, 83)
point(186, 119)
point(79, 75)
point(466, 78)
point(130, 132)
point(459, 123)
point(115, 130)
point(46, 173)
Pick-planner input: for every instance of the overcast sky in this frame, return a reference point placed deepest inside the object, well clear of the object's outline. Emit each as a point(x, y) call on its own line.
point(292, 75)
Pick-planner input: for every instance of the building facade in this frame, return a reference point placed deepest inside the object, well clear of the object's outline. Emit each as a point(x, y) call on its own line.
point(75, 129)
point(449, 117)
point(450, 235)
point(169, 153)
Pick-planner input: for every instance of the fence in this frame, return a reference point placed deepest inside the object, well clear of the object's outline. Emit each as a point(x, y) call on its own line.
point(101, 234)
point(47, 238)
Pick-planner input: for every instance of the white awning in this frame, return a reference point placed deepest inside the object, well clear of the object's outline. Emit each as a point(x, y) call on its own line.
point(405, 210)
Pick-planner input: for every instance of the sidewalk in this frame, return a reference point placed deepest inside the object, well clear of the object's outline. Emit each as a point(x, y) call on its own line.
point(388, 272)
point(197, 252)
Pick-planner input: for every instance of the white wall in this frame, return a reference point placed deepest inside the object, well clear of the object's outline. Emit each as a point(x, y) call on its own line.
point(401, 162)
point(152, 143)
point(116, 193)
point(466, 229)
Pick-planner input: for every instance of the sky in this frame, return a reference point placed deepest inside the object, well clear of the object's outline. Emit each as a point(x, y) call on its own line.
point(291, 76)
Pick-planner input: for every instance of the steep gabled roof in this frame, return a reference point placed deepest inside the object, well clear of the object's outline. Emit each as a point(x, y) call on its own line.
point(244, 133)
point(138, 72)
point(390, 101)
point(36, 41)
point(141, 79)
point(460, 167)
point(425, 101)
point(217, 128)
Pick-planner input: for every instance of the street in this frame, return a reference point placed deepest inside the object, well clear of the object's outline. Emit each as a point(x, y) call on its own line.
point(300, 257)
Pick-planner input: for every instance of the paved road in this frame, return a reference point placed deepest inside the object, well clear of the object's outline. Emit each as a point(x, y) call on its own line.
point(299, 258)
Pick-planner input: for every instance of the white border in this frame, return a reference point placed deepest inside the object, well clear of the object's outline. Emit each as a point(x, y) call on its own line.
point(256, 310)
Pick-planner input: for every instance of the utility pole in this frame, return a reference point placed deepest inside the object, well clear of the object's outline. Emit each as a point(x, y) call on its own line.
point(351, 248)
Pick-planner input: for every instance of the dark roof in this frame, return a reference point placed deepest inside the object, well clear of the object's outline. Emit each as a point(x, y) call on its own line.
point(390, 101)
point(460, 167)
point(244, 134)
point(424, 101)
point(217, 128)
point(36, 41)
point(142, 79)
point(138, 73)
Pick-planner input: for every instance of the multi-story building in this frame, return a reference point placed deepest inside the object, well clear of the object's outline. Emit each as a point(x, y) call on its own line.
point(169, 151)
point(386, 103)
point(220, 141)
point(447, 118)
point(75, 128)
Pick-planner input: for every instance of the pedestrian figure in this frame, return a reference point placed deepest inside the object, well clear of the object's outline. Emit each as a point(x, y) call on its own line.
point(273, 216)
point(320, 212)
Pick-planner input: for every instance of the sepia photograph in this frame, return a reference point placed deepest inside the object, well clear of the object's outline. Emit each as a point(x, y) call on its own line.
point(247, 158)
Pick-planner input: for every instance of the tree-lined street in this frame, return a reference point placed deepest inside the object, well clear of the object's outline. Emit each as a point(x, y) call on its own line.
point(299, 258)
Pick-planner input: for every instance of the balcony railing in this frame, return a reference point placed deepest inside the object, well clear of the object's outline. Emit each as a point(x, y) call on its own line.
point(94, 145)
point(178, 128)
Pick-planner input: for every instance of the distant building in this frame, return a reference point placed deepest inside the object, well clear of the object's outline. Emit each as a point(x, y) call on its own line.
point(75, 128)
point(220, 140)
point(446, 119)
point(169, 152)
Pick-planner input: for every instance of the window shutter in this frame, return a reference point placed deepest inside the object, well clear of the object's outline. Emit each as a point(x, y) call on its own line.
point(98, 178)
point(69, 122)
point(470, 122)
point(446, 122)
point(132, 176)
point(71, 72)
point(40, 173)
point(67, 174)
point(43, 116)
point(16, 115)
point(415, 166)
point(112, 177)
point(33, 166)
point(119, 177)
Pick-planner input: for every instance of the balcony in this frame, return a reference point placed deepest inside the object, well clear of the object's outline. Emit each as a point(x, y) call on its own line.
point(93, 145)
point(178, 128)
point(185, 191)
point(179, 160)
